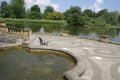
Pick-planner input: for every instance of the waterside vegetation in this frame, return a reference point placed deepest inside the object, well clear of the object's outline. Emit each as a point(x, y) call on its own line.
point(73, 16)
point(34, 21)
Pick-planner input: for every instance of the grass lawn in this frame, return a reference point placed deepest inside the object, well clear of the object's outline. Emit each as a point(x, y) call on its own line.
point(41, 21)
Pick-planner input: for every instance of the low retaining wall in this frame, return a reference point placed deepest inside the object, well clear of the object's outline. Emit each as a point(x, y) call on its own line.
point(95, 39)
point(77, 71)
point(10, 45)
point(15, 31)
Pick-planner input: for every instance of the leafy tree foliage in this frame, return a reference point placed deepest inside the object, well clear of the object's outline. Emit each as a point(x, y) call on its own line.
point(73, 16)
point(72, 10)
point(49, 9)
point(18, 9)
point(102, 12)
point(119, 19)
point(34, 15)
point(35, 8)
point(55, 16)
point(34, 12)
point(75, 9)
point(114, 17)
point(5, 9)
point(88, 13)
point(75, 19)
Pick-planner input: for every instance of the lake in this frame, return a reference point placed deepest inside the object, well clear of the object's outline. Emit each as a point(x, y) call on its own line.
point(92, 32)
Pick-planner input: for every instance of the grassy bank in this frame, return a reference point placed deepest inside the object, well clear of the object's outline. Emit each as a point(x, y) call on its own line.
point(35, 21)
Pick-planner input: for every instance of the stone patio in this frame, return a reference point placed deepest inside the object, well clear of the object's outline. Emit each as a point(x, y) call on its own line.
point(95, 60)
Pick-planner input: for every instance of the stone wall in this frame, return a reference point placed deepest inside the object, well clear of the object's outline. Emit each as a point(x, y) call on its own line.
point(2, 24)
point(3, 29)
point(14, 31)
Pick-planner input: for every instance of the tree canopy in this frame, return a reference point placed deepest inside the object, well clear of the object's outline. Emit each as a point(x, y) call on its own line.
point(88, 12)
point(74, 15)
point(75, 19)
point(5, 9)
point(35, 8)
point(49, 9)
point(72, 10)
point(55, 16)
point(119, 19)
point(17, 8)
point(34, 12)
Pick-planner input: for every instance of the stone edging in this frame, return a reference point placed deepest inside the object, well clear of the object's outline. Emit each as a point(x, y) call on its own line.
point(10, 45)
point(95, 39)
point(77, 71)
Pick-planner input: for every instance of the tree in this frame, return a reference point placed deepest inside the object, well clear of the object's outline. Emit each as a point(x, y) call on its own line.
point(49, 9)
point(55, 16)
point(72, 10)
point(114, 17)
point(27, 13)
point(73, 16)
point(119, 19)
point(34, 15)
point(103, 12)
point(75, 9)
point(88, 13)
point(5, 9)
point(18, 9)
point(75, 19)
point(35, 8)
point(34, 12)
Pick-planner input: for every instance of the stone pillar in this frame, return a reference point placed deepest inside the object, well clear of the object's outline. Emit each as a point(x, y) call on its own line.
point(65, 33)
point(104, 38)
point(26, 34)
point(30, 32)
point(3, 29)
point(10, 31)
point(0, 29)
point(2, 24)
point(21, 33)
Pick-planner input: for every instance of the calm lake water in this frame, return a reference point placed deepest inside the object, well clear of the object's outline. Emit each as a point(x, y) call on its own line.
point(93, 32)
point(19, 64)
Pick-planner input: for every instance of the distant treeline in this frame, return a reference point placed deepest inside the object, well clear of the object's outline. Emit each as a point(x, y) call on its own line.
point(74, 15)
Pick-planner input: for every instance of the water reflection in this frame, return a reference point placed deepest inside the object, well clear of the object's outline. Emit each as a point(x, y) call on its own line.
point(42, 30)
point(93, 32)
point(19, 64)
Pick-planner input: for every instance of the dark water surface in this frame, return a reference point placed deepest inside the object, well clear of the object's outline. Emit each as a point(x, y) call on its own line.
point(19, 64)
point(92, 32)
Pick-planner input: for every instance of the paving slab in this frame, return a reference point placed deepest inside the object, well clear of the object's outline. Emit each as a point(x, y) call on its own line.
point(96, 60)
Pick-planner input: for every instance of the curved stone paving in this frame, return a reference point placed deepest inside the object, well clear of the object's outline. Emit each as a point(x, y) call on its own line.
point(67, 43)
point(104, 52)
point(115, 71)
point(101, 60)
